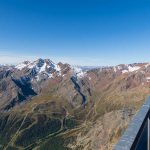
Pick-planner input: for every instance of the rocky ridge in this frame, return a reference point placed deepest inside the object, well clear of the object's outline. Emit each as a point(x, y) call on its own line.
point(56, 106)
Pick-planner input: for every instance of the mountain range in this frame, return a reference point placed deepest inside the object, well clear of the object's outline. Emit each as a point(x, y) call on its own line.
point(48, 106)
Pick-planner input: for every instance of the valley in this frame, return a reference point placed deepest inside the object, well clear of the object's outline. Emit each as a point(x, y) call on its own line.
point(48, 106)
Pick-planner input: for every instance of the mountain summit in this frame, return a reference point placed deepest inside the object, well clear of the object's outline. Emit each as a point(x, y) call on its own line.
point(43, 67)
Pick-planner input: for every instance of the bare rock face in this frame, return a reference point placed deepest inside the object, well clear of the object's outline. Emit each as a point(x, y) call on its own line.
point(45, 105)
point(22, 82)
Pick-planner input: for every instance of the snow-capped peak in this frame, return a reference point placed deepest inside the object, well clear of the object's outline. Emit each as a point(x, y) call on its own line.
point(40, 66)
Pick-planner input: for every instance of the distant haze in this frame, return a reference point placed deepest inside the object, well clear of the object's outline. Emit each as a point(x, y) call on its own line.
point(79, 61)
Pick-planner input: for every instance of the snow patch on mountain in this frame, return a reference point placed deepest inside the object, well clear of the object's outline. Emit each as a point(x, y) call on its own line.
point(126, 68)
point(148, 79)
point(78, 72)
point(22, 65)
point(134, 68)
point(147, 65)
point(42, 69)
point(125, 71)
point(115, 70)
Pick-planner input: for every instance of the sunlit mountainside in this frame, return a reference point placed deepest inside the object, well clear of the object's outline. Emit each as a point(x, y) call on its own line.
point(48, 106)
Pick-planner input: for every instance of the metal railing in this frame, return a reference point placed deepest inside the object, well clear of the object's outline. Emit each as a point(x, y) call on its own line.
point(137, 135)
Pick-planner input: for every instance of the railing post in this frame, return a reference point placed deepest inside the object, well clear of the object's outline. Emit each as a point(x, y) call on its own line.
point(148, 136)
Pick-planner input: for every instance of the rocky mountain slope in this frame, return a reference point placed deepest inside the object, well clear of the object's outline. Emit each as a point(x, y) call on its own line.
point(48, 106)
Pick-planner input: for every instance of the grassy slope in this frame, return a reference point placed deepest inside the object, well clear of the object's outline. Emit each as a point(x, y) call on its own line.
point(60, 126)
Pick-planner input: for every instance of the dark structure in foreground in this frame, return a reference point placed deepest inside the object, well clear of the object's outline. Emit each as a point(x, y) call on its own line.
point(137, 135)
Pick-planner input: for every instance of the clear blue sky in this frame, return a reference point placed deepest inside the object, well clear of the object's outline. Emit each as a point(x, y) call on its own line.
point(82, 32)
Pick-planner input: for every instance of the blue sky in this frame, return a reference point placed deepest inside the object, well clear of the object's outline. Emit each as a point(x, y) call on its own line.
point(81, 32)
